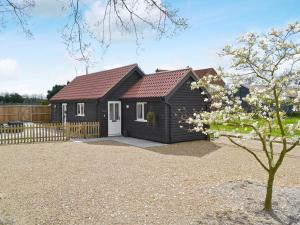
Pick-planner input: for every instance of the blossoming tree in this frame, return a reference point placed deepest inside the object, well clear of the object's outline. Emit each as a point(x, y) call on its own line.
point(269, 61)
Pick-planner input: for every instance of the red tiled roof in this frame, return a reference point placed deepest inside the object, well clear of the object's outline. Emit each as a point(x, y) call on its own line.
point(203, 72)
point(93, 86)
point(156, 85)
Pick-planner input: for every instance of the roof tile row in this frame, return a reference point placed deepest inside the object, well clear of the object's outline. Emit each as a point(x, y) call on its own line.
point(156, 85)
point(93, 86)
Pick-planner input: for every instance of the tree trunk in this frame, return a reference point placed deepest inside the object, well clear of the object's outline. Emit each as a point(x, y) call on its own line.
point(268, 200)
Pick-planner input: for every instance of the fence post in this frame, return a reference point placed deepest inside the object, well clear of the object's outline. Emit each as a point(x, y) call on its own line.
point(85, 130)
point(66, 130)
point(31, 113)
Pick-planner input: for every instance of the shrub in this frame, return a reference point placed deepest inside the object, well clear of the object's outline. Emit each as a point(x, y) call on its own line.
point(151, 118)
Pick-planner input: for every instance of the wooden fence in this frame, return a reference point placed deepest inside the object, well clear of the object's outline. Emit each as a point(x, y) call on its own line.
point(28, 113)
point(47, 132)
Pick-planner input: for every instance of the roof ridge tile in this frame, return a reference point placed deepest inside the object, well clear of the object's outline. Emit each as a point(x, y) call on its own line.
point(103, 71)
point(168, 71)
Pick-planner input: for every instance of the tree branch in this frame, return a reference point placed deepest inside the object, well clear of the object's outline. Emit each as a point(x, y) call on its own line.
point(249, 151)
point(19, 10)
point(293, 146)
point(263, 141)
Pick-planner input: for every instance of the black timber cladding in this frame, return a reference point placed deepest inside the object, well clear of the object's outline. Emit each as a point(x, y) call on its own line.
point(188, 102)
point(142, 130)
point(242, 92)
point(90, 111)
point(56, 112)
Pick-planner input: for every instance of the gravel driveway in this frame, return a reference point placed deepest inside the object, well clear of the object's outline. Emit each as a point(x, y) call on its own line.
point(110, 183)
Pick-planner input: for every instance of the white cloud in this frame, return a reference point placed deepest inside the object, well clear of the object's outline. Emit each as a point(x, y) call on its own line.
point(8, 67)
point(48, 8)
point(95, 14)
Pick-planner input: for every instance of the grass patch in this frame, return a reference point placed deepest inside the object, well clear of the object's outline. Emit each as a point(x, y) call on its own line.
point(244, 130)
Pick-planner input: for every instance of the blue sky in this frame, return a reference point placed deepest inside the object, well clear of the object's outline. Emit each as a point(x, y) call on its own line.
point(32, 66)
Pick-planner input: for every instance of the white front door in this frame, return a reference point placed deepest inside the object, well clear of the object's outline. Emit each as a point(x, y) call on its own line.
point(114, 118)
point(64, 112)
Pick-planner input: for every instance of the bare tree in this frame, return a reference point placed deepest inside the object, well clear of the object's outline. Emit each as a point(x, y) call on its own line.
point(129, 17)
point(82, 35)
point(16, 11)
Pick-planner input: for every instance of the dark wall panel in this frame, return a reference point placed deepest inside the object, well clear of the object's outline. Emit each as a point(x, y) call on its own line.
point(242, 93)
point(188, 102)
point(56, 112)
point(141, 130)
point(90, 110)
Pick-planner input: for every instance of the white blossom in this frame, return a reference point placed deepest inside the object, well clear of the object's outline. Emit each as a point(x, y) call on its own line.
point(274, 84)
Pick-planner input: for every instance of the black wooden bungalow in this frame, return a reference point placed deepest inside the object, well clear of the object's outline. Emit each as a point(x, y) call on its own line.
point(127, 102)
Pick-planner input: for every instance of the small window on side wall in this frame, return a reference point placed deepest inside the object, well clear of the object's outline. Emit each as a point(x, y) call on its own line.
point(141, 111)
point(80, 109)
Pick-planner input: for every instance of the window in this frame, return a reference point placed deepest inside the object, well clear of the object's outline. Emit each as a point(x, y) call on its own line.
point(114, 111)
point(80, 109)
point(141, 111)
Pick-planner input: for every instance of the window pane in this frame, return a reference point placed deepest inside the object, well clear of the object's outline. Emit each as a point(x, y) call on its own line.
point(79, 108)
point(117, 116)
point(111, 111)
point(139, 111)
point(145, 110)
point(64, 106)
point(82, 109)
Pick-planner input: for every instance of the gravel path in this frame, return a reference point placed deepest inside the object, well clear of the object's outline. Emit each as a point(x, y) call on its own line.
point(110, 183)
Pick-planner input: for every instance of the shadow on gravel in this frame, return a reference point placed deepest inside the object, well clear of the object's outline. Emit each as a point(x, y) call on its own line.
point(106, 143)
point(190, 148)
point(243, 218)
point(5, 220)
point(246, 200)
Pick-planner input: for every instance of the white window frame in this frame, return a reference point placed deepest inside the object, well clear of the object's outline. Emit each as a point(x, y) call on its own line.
point(80, 109)
point(143, 112)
